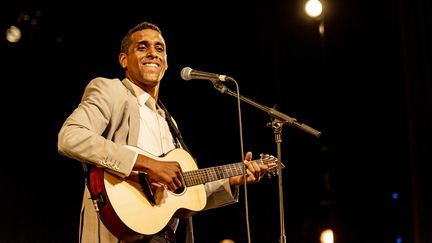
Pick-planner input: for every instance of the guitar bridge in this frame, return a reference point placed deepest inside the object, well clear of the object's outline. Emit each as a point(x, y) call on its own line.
point(146, 188)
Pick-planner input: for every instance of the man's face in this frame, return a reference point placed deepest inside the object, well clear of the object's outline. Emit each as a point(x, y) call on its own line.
point(146, 60)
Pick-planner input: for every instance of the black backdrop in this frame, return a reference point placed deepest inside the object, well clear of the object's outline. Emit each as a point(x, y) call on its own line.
point(365, 85)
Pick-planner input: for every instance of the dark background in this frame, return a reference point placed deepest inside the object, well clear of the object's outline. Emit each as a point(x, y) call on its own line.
point(365, 84)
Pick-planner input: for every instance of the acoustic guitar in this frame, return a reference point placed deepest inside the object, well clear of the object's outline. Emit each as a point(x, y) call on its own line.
point(133, 209)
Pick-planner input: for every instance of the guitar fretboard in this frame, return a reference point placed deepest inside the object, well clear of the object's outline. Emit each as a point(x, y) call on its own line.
point(202, 176)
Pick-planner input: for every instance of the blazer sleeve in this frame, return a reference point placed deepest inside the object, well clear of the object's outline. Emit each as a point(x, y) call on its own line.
point(219, 194)
point(87, 134)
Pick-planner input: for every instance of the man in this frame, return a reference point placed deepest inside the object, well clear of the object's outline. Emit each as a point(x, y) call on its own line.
point(115, 116)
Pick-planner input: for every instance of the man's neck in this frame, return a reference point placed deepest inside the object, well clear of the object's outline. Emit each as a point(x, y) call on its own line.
point(152, 90)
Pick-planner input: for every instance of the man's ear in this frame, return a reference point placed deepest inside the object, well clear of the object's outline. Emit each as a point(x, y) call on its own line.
point(123, 60)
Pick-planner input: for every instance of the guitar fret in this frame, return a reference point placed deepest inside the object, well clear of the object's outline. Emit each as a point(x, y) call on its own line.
point(202, 176)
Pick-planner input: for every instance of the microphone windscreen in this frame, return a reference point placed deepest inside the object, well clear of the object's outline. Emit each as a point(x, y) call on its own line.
point(186, 73)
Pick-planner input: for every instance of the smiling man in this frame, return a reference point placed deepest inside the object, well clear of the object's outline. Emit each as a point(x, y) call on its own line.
point(133, 156)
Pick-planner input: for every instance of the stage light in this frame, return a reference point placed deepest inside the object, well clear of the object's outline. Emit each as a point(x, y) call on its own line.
point(227, 241)
point(327, 236)
point(25, 26)
point(13, 34)
point(313, 8)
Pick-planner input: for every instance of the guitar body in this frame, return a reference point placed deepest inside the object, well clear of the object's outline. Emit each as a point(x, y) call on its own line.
point(132, 209)
point(125, 209)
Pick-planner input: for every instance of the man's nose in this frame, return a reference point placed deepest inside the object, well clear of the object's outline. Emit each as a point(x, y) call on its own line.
point(151, 52)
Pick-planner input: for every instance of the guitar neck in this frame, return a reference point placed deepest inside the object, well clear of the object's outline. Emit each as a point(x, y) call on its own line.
point(201, 176)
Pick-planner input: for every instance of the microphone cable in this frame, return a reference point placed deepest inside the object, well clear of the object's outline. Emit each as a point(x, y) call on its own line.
point(243, 158)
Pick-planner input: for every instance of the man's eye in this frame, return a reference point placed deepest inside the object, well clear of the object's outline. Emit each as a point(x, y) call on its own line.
point(141, 47)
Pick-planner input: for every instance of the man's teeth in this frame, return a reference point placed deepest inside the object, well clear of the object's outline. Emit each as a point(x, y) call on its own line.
point(151, 65)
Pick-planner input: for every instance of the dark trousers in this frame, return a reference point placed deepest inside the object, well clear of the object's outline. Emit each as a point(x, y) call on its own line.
point(164, 236)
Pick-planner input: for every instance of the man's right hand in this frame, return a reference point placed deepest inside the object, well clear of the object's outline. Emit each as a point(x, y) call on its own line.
point(167, 173)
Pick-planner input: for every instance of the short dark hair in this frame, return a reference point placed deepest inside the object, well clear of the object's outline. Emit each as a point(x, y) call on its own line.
point(126, 41)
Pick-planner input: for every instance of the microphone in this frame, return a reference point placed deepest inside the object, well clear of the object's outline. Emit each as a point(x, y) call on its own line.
point(188, 73)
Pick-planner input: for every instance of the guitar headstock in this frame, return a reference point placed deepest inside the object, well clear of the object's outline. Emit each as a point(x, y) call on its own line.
point(272, 163)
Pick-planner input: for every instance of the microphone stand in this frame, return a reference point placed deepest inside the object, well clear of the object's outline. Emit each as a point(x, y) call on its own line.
point(279, 119)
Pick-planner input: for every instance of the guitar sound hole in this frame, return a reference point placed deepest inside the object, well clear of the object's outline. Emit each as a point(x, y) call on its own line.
point(180, 190)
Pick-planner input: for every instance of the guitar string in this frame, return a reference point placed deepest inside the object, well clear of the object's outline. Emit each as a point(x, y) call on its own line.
point(214, 173)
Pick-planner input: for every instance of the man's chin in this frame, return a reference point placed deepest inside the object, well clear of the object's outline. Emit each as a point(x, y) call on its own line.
point(154, 80)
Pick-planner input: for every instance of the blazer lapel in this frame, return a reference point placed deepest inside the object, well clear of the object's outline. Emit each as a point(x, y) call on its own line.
point(134, 117)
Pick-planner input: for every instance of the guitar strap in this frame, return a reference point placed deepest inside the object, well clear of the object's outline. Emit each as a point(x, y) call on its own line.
point(173, 128)
point(179, 139)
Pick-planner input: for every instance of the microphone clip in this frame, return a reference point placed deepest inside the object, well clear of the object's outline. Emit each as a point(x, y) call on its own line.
point(219, 85)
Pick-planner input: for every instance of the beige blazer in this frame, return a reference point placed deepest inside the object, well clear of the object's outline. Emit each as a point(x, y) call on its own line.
point(106, 119)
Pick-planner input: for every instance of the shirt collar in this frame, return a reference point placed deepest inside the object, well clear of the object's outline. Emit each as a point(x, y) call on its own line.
point(144, 99)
